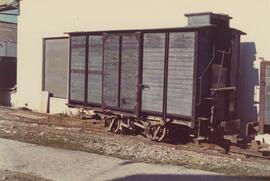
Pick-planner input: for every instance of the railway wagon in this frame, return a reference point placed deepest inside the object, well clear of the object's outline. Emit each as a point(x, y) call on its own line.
point(150, 80)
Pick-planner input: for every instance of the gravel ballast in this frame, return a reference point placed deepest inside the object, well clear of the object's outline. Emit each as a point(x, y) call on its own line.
point(134, 148)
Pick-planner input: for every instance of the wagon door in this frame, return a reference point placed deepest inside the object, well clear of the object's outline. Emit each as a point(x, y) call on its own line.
point(129, 72)
point(111, 67)
point(77, 69)
point(180, 73)
point(95, 56)
point(120, 70)
point(153, 72)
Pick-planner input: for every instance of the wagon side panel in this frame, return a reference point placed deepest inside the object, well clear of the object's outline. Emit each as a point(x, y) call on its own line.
point(77, 69)
point(95, 56)
point(180, 73)
point(129, 72)
point(111, 71)
point(153, 72)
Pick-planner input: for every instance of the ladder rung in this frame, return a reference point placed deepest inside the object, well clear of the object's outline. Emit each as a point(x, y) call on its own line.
point(203, 118)
point(208, 98)
point(223, 89)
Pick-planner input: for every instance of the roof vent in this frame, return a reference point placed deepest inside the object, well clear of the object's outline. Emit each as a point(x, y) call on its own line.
point(208, 18)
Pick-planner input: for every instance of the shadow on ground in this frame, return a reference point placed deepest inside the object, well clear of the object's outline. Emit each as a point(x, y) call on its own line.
point(189, 178)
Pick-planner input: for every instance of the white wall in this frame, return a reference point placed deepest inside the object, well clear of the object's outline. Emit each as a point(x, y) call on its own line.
point(39, 19)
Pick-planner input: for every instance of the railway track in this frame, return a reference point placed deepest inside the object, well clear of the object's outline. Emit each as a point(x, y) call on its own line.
point(84, 127)
point(98, 127)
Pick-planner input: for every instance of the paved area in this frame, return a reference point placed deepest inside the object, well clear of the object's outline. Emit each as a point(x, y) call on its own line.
point(60, 164)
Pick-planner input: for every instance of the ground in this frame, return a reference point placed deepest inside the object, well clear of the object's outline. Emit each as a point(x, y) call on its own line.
point(59, 164)
point(8, 175)
point(89, 136)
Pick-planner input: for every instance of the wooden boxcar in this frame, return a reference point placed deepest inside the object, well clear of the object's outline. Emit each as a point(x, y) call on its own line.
point(154, 77)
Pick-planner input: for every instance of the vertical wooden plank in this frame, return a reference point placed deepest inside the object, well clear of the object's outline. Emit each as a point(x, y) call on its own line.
point(267, 95)
point(43, 63)
point(195, 78)
point(129, 72)
point(119, 70)
point(153, 72)
point(95, 69)
point(234, 73)
point(140, 74)
point(86, 70)
point(165, 80)
point(262, 97)
point(77, 68)
point(202, 74)
point(234, 60)
point(180, 73)
point(111, 71)
point(264, 112)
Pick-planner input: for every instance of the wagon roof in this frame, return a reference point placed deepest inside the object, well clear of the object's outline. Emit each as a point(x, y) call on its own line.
point(220, 15)
point(238, 31)
point(183, 29)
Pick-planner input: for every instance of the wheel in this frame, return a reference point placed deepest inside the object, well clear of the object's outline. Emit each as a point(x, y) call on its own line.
point(113, 124)
point(127, 126)
point(107, 122)
point(158, 133)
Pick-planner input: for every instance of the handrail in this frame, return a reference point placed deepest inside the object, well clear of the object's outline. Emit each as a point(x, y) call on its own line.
point(222, 62)
point(203, 73)
point(207, 67)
